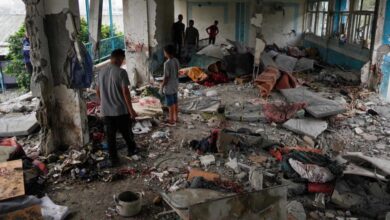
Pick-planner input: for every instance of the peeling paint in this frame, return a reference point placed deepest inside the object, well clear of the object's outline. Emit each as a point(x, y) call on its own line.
point(62, 112)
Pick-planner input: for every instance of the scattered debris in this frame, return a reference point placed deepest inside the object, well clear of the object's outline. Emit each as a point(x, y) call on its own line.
point(309, 127)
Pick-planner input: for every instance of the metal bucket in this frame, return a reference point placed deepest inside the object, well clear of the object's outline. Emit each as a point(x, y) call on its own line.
point(128, 203)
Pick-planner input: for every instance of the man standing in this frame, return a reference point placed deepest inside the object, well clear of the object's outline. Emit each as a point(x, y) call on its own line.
point(191, 38)
point(113, 92)
point(26, 54)
point(212, 31)
point(178, 35)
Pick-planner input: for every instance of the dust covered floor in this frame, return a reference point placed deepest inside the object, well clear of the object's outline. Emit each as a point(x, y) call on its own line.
point(94, 200)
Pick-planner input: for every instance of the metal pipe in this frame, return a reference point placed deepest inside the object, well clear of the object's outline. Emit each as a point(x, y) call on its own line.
point(87, 14)
point(111, 25)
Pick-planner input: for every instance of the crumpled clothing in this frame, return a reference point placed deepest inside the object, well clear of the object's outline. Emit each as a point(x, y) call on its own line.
point(149, 101)
point(309, 158)
point(281, 112)
point(93, 108)
point(17, 153)
point(195, 73)
point(215, 79)
point(286, 81)
point(208, 144)
point(313, 173)
point(266, 80)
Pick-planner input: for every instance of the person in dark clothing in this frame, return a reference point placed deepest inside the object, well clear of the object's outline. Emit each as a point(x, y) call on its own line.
point(191, 39)
point(178, 35)
point(113, 92)
point(26, 54)
point(212, 31)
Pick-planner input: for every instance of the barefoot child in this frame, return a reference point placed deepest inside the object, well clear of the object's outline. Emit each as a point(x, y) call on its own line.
point(170, 83)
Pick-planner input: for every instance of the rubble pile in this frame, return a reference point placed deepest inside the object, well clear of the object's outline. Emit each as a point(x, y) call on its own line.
point(301, 138)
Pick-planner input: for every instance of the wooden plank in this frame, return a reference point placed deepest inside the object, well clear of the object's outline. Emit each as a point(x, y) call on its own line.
point(11, 179)
point(30, 213)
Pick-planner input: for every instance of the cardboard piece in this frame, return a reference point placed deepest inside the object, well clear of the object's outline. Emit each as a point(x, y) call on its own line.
point(11, 179)
point(30, 213)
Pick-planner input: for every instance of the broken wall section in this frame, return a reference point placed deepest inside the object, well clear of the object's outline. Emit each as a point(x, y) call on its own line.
point(52, 25)
point(283, 22)
point(147, 31)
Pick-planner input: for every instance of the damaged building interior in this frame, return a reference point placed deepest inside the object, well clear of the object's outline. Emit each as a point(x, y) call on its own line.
point(279, 110)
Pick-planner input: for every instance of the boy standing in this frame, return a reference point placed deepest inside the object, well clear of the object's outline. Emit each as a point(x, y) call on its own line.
point(116, 107)
point(170, 84)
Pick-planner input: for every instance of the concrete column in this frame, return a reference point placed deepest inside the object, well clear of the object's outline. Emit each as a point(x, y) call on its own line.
point(62, 112)
point(147, 25)
point(95, 24)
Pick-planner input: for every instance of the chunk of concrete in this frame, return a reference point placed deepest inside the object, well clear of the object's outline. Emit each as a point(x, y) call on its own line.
point(380, 163)
point(246, 112)
point(207, 160)
point(286, 63)
point(304, 64)
point(17, 125)
point(296, 210)
point(309, 127)
point(317, 106)
point(185, 198)
point(256, 179)
point(233, 164)
point(200, 104)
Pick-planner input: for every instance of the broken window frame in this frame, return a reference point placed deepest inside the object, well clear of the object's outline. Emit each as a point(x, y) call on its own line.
point(361, 35)
point(317, 18)
point(348, 21)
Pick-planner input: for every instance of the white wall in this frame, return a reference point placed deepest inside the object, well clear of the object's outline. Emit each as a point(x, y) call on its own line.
point(276, 26)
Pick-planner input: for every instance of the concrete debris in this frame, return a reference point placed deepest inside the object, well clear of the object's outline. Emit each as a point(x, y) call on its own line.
point(17, 124)
point(256, 179)
point(207, 160)
point(309, 127)
point(241, 176)
point(296, 210)
point(215, 51)
point(309, 141)
point(142, 127)
point(369, 137)
point(160, 176)
point(317, 106)
point(286, 63)
point(304, 64)
point(244, 112)
point(358, 130)
point(160, 134)
point(382, 164)
point(199, 105)
point(233, 164)
point(211, 93)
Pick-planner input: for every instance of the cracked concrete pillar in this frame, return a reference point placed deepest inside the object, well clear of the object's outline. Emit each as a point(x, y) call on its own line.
point(95, 24)
point(147, 26)
point(62, 112)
